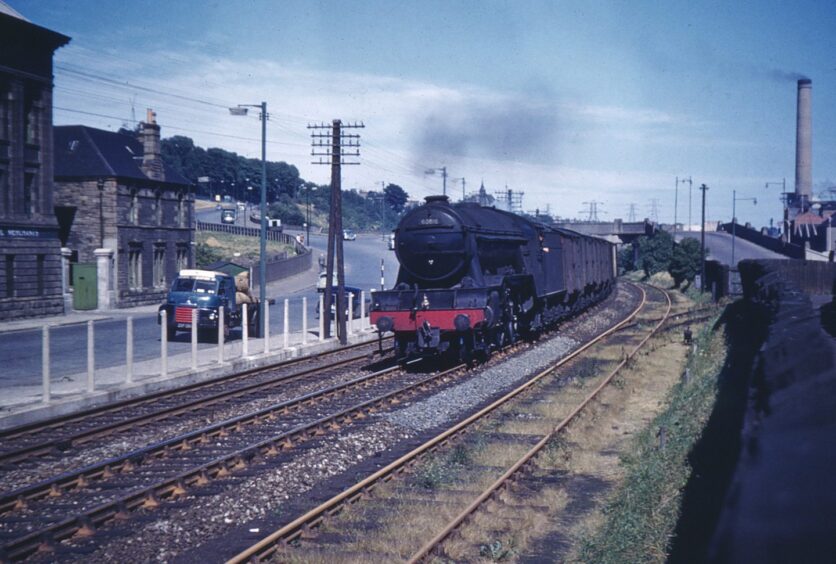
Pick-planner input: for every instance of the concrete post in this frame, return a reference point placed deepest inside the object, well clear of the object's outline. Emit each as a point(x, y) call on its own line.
point(304, 320)
point(129, 351)
point(194, 338)
point(163, 344)
point(286, 326)
point(350, 329)
point(266, 325)
point(104, 275)
point(245, 331)
point(321, 317)
point(65, 279)
point(363, 323)
point(91, 357)
point(45, 364)
point(221, 335)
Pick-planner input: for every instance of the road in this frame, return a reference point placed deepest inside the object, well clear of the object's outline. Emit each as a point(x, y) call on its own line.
point(21, 350)
point(719, 245)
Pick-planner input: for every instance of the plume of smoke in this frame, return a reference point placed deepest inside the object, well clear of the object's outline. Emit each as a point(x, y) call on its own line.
point(780, 75)
point(513, 128)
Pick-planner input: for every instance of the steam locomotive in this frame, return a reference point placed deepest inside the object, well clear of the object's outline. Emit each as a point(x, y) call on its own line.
point(474, 279)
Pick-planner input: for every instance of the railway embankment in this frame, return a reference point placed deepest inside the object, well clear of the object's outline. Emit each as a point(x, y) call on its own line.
point(762, 487)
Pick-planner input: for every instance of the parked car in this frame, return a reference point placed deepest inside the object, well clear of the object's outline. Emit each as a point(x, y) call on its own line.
point(349, 235)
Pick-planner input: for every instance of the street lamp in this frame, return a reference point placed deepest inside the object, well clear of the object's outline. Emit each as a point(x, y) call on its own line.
point(783, 185)
point(241, 110)
point(443, 171)
point(735, 199)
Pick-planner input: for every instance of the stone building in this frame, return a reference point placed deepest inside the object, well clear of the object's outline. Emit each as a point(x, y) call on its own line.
point(120, 208)
point(30, 252)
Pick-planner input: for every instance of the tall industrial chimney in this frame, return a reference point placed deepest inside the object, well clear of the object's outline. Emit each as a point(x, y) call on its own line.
point(804, 143)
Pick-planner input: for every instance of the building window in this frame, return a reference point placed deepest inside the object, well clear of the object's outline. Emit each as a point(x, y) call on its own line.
point(41, 262)
point(133, 208)
point(158, 208)
point(31, 115)
point(182, 257)
point(4, 110)
point(29, 189)
point(159, 266)
point(181, 212)
point(135, 267)
point(10, 276)
point(6, 192)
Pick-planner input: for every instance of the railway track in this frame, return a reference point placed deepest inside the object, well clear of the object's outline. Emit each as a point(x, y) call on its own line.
point(70, 509)
point(518, 469)
point(57, 437)
point(36, 517)
point(274, 545)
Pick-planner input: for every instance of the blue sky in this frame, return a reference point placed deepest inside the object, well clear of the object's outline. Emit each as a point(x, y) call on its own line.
point(566, 101)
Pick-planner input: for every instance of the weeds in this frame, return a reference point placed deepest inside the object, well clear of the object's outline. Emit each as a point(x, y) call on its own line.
point(642, 514)
point(497, 551)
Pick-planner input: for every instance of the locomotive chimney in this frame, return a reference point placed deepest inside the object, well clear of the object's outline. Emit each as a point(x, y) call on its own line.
point(804, 142)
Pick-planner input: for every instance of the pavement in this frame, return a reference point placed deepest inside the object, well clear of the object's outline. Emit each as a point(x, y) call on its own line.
point(72, 392)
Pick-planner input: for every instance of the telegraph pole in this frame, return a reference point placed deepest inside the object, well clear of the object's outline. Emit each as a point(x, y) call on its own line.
point(675, 206)
point(338, 142)
point(463, 194)
point(704, 189)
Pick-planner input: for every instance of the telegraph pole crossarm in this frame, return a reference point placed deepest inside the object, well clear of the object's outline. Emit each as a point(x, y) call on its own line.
point(337, 141)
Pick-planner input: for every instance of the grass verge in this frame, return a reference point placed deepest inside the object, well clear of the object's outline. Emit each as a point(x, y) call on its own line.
point(642, 513)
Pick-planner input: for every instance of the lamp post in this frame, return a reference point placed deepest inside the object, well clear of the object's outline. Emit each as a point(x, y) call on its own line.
point(308, 215)
point(783, 185)
point(690, 186)
point(241, 110)
point(735, 199)
point(443, 171)
point(100, 184)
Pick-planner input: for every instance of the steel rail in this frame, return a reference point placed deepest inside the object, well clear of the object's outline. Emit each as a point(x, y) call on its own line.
point(56, 422)
point(267, 546)
point(101, 470)
point(508, 475)
point(150, 497)
point(64, 443)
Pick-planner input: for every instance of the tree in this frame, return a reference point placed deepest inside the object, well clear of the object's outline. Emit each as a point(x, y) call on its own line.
point(625, 258)
point(686, 261)
point(655, 252)
point(395, 197)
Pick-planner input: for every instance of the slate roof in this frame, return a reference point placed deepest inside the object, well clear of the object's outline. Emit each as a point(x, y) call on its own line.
point(84, 152)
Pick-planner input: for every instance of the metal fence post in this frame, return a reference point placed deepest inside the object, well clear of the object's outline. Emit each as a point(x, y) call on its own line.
point(91, 357)
point(221, 335)
point(129, 351)
point(286, 326)
point(245, 331)
point(163, 343)
point(350, 328)
point(304, 319)
point(266, 324)
point(45, 363)
point(194, 338)
point(321, 317)
point(362, 310)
